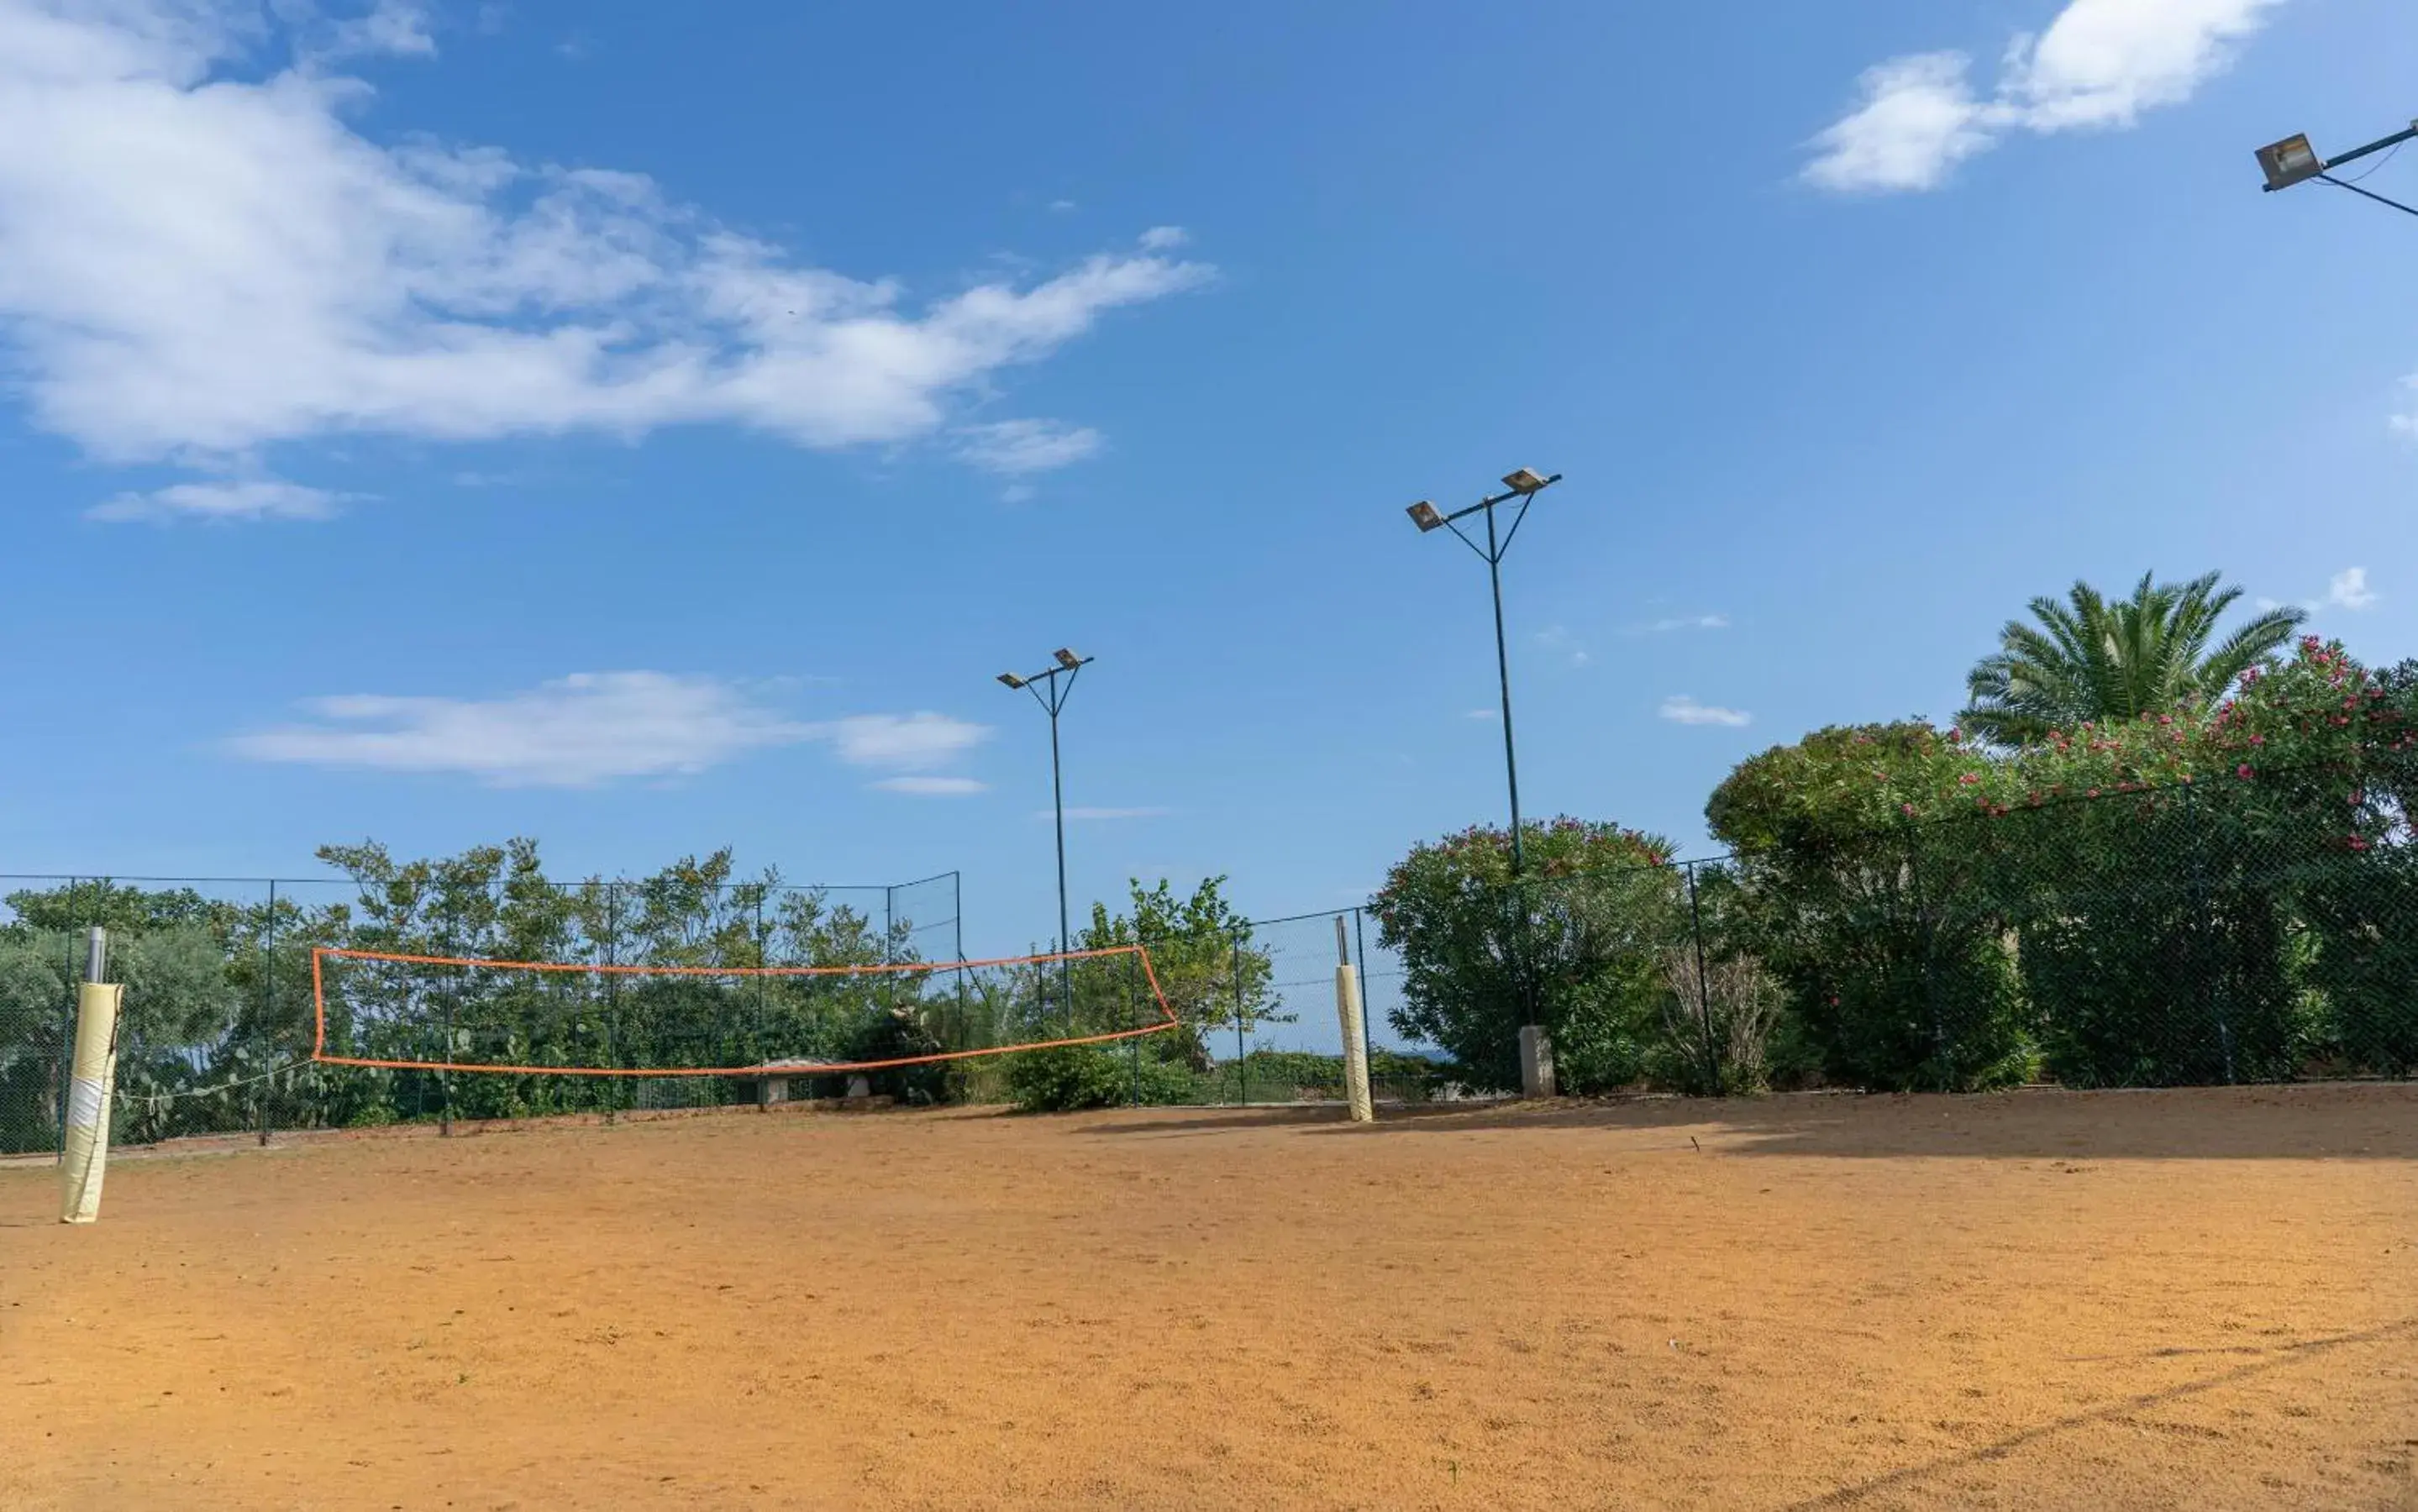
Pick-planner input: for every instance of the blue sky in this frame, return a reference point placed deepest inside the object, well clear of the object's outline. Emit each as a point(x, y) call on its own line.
point(651, 428)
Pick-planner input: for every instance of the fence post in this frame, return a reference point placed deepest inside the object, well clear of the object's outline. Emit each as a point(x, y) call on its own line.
point(957, 934)
point(63, 1070)
point(763, 986)
point(269, 1001)
point(612, 1002)
point(1924, 944)
point(1704, 989)
point(2211, 968)
point(1242, 1056)
point(1360, 950)
point(1133, 1000)
point(889, 999)
point(444, 1075)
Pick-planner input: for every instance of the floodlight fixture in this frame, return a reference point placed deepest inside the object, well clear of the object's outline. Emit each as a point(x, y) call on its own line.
point(2289, 161)
point(1524, 481)
point(2293, 160)
point(1068, 659)
point(1011, 679)
point(1423, 515)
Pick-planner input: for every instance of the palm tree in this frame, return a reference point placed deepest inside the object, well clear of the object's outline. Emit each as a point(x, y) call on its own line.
point(2089, 658)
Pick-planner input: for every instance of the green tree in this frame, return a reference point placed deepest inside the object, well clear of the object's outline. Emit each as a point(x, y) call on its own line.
point(120, 908)
point(1200, 950)
point(1588, 925)
point(2092, 658)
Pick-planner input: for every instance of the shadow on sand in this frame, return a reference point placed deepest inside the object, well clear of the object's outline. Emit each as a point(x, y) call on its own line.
point(2363, 1121)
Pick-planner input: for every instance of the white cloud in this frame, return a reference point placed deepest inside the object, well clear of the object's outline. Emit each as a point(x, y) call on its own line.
point(1918, 120)
point(1019, 494)
point(1017, 447)
point(1682, 709)
point(593, 727)
point(2348, 589)
point(932, 787)
point(1688, 622)
point(1483, 713)
point(201, 259)
point(396, 27)
point(254, 499)
point(579, 731)
point(2100, 64)
point(1560, 640)
point(911, 742)
point(1107, 813)
point(1164, 238)
point(2407, 423)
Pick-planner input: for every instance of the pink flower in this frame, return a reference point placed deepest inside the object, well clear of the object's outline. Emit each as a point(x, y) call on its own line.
point(2242, 771)
point(1908, 807)
point(1967, 779)
point(2093, 793)
point(2259, 740)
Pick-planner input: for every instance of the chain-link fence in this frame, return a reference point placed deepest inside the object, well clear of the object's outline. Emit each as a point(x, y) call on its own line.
point(1278, 1038)
point(220, 1013)
point(2264, 931)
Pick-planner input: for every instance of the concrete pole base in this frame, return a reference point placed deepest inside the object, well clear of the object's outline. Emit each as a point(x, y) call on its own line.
point(1535, 1061)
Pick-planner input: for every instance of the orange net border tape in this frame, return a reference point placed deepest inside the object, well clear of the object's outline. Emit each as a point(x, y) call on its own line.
point(319, 955)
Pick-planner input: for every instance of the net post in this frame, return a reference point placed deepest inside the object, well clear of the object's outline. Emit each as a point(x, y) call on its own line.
point(83, 1157)
point(1132, 1001)
point(1356, 1049)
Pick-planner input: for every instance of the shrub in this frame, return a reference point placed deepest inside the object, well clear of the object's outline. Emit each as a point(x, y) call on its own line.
point(1585, 924)
point(1897, 975)
point(1717, 1023)
point(1068, 1079)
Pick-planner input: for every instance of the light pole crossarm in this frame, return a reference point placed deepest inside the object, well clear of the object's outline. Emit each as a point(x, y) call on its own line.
point(2365, 193)
point(1491, 553)
point(2407, 133)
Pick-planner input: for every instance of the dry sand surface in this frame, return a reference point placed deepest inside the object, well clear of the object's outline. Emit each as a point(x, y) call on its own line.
point(2200, 1298)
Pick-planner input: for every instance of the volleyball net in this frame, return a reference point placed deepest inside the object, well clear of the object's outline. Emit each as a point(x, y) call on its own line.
point(438, 1013)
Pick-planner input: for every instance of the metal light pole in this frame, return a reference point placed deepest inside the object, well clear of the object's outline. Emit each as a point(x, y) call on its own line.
point(1052, 694)
point(2292, 161)
point(1523, 486)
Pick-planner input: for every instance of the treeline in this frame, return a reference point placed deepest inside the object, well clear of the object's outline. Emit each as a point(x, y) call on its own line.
point(220, 1007)
point(2218, 891)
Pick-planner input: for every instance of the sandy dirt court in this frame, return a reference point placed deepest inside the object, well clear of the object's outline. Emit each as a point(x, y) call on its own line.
point(2195, 1299)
